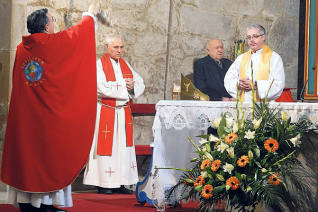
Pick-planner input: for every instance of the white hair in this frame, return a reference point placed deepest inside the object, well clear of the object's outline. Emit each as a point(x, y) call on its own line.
point(111, 38)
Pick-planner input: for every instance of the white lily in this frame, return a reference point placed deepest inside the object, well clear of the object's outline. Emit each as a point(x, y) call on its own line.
point(296, 140)
point(221, 147)
point(202, 141)
point(216, 122)
point(249, 134)
point(204, 174)
point(250, 154)
point(229, 122)
point(230, 151)
point(235, 127)
point(213, 138)
point(228, 168)
point(257, 123)
point(208, 156)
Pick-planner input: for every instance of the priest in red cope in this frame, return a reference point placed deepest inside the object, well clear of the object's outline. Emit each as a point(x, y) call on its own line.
point(112, 163)
point(52, 112)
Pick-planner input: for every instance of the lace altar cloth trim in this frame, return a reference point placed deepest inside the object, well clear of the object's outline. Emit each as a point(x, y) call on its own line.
point(197, 114)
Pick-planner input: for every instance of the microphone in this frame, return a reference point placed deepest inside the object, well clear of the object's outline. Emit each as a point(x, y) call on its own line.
point(301, 95)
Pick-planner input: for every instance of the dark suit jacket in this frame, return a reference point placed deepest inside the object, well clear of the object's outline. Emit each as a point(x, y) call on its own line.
point(209, 77)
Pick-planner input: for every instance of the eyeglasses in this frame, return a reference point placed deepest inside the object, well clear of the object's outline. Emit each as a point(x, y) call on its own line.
point(53, 19)
point(253, 37)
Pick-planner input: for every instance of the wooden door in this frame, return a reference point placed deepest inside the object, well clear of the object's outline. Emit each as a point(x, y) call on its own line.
point(310, 81)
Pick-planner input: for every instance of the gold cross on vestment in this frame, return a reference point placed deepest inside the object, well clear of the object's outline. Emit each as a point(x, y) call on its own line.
point(110, 171)
point(187, 86)
point(106, 131)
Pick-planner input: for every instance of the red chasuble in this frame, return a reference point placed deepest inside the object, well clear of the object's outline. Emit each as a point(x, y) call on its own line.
point(107, 113)
point(52, 109)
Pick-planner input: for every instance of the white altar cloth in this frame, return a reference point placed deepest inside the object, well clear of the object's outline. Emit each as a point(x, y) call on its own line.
point(176, 120)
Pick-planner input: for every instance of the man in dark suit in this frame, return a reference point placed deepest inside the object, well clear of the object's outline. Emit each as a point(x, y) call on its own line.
point(210, 70)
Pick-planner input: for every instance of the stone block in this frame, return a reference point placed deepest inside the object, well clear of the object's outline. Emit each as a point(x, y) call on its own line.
point(19, 21)
point(273, 8)
point(58, 4)
point(216, 5)
point(177, 52)
point(128, 4)
point(5, 18)
point(282, 37)
point(234, 8)
point(201, 23)
point(158, 15)
point(244, 7)
point(292, 8)
point(150, 44)
point(43, 3)
point(3, 120)
point(126, 19)
point(5, 80)
point(291, 75)
point(81, 5)
point(152, 72)
point(192, 45)
point(3, 190)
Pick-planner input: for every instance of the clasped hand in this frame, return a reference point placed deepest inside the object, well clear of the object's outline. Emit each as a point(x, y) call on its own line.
point(245, 84)
point(129, 83)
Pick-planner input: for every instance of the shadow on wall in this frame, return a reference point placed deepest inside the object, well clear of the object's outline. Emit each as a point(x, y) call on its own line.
point(190, 76)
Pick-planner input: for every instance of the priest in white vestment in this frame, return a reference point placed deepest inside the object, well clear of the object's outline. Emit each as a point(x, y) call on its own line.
point(112, 163)
point(265, 64)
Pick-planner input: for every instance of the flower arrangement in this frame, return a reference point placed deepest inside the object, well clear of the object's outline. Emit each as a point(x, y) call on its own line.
point(250, 161)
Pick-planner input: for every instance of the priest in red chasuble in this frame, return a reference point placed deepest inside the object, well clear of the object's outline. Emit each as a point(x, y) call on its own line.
point(52, 112)
point(112, 163)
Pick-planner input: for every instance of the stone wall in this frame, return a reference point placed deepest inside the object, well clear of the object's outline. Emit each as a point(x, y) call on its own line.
point(162, 39)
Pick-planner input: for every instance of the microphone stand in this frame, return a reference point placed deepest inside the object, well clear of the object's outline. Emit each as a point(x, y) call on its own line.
point(303, 91)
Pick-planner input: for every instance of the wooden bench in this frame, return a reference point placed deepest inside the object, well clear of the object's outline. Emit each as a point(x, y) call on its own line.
point(143, 110)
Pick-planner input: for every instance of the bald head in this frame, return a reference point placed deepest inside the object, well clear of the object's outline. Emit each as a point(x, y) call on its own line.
point(215, 49)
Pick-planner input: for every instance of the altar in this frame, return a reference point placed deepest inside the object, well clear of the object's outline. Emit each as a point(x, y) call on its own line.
point(175, 121)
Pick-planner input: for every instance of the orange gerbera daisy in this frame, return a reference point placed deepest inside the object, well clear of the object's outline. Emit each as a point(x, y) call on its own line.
point(205, 164)
point(199, 181)
point(233, 182)
point(271, 145)
point(207, 191)
point(274, 179)
point(230, 138)
point(242, 161)
point(215, 165)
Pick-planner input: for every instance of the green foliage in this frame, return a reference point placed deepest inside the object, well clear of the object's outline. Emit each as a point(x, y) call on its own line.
point(259, 163)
